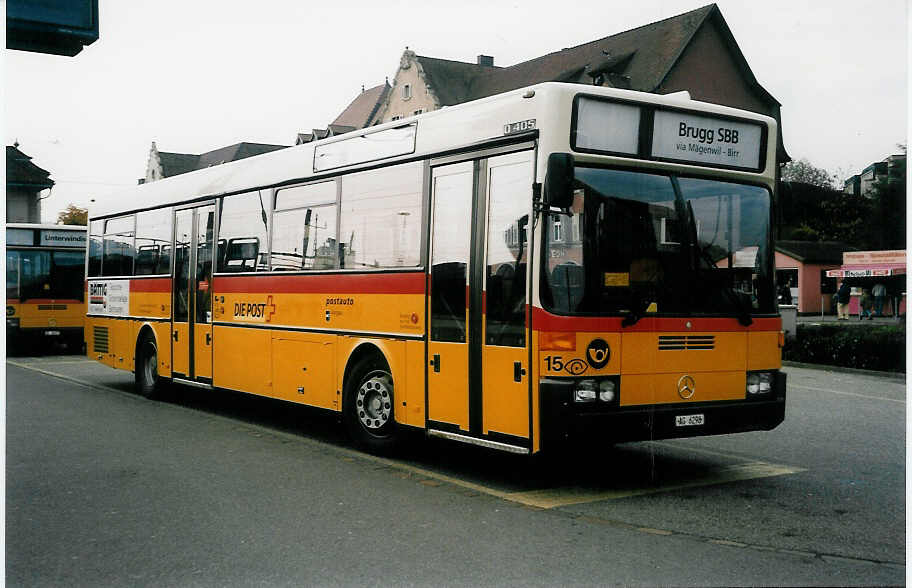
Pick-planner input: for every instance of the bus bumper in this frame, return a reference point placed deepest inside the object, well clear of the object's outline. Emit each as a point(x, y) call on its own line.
point(564, 422)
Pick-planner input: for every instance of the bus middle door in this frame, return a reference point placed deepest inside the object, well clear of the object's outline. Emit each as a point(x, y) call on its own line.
point(191, 328)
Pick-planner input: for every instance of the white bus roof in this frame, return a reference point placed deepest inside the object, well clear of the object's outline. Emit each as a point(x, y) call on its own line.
point(449, 128)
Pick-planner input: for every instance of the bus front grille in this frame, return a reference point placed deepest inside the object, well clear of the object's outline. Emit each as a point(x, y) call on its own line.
point(687, 342)
point(100, 336)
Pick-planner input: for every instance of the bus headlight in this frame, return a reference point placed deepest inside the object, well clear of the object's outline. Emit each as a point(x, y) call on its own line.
point(759, 383)
point(753, 383)
point(586, 391)
point(607, 390)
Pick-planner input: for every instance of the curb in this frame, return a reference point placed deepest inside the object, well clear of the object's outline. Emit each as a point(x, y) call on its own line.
point(846, 370)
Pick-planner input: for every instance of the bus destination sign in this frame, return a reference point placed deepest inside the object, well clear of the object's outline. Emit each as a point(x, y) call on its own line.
point(51, 238)
point(707, 140)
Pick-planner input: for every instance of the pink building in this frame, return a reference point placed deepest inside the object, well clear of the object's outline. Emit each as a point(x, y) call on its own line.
point(804, 265)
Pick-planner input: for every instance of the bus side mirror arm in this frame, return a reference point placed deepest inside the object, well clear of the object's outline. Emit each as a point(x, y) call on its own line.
point(537, 205)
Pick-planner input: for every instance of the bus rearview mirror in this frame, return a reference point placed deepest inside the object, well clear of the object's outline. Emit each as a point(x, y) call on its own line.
point(559, 181)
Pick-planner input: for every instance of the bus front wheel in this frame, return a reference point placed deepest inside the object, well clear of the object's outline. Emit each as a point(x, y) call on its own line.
point(147, 381)
point(369, 406)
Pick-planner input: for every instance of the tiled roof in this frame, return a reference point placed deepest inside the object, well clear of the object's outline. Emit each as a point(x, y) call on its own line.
point(453, 82)
point(341, 129)
point(358, 114)
point(21, 171)
point(814, 251)
point(639, 59)
point(180, 163)
point(174, 164)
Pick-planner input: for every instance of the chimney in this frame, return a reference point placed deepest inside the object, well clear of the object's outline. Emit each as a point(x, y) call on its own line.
point(485, 60)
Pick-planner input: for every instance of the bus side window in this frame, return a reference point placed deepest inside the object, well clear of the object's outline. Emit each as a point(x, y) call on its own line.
point(163, 264)
point(304, 228)
point(146, 259)
point(118, 255)
point(243, 220)
point(153, 235)
point(96, 240)
point(381, 217)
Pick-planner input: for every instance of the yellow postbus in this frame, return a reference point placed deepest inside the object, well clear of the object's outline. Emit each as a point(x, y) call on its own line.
point(553, 264)
point(45, 290)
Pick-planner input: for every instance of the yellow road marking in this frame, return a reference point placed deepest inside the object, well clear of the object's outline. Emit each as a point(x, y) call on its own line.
point(556, 497)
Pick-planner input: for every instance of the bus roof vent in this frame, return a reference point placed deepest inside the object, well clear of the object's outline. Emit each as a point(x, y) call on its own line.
point(682, 95)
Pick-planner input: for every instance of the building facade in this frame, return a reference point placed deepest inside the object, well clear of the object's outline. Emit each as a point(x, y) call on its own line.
point(862, 184)
point(24, 183)
point(802, 266)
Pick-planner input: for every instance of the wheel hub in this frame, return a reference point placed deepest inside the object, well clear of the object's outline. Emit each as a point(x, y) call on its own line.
point(374, 401)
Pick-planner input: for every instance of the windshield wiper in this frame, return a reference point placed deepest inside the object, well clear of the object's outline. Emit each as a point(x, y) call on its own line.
point(744, 317)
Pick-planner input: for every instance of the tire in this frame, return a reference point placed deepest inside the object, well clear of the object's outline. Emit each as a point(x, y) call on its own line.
point(147, 381)
point(368, 406)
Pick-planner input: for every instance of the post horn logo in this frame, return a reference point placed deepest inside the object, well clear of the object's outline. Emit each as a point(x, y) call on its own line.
point(598, 353)
point(687, 387)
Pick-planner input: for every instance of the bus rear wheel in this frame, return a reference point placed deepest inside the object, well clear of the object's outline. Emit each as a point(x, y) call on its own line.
point(146, 378)
point(368, 406)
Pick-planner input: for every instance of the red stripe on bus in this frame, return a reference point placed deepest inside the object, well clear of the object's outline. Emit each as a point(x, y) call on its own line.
point(543, 320)
point(151, 285)
point(392, 283)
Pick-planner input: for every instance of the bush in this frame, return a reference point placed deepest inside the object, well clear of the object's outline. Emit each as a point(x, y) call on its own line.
point(881, 348)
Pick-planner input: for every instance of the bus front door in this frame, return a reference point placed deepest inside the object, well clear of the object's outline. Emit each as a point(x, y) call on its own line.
point(191, 327)
point(448, 343)
point(478, 345)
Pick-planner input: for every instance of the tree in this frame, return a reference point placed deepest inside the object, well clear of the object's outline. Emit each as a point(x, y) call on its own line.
point(804, 172)
point(73, 215)
point(844, 217)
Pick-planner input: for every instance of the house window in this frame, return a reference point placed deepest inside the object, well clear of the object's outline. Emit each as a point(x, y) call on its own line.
point(558, 231)
point(406, 91)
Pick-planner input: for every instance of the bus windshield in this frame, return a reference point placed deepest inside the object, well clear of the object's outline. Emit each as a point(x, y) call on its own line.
point(637, 244)
point(44, 274)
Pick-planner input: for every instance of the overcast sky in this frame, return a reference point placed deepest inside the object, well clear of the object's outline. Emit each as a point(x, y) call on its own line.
point(197, 75)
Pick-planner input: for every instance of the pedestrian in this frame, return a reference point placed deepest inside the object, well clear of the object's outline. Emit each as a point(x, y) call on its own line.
point(785, 293)
point(880, 295)
point(843, 296)
point(867, 304)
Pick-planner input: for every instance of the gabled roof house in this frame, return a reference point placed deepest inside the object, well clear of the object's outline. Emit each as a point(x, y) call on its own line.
point(362, 112)
point(164, 164)
point(694, 51)
point(24, 183)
